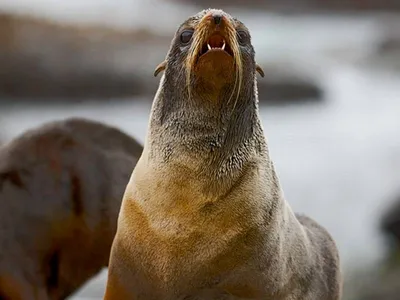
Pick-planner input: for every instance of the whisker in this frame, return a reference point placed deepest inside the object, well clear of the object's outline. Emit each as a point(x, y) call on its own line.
point(193, 52)
point(197, 43)
point(238, 66)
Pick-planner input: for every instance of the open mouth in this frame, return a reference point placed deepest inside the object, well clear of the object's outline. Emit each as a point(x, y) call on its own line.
point(216, 43)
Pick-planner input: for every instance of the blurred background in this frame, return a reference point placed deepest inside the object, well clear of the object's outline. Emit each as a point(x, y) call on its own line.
point(330, 101)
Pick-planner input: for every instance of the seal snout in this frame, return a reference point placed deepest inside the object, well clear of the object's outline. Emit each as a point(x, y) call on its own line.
point(216, 34)
point(215, 55)
point(217, 18)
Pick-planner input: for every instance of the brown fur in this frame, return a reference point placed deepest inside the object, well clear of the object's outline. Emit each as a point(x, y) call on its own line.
point(61, 187)
point(203, 216)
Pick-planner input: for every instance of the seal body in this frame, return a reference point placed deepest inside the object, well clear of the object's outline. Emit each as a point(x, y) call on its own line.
point(61, 187)
point(203, 215)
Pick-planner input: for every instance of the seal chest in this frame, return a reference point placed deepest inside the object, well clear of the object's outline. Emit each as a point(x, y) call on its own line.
point(203, 216)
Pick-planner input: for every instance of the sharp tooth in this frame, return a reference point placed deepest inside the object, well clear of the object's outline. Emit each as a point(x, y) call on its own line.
point(209, 47)
point(223, 46)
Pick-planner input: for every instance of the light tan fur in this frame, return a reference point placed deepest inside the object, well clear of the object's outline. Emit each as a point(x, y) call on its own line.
point(203, 215)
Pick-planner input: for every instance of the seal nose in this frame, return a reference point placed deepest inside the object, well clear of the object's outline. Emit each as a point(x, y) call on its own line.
point(217, 19)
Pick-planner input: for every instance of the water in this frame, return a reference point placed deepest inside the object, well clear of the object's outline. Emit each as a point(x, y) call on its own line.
point(338, 161)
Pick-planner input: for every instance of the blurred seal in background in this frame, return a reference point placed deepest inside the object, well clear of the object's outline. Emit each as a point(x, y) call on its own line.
point(61, 186)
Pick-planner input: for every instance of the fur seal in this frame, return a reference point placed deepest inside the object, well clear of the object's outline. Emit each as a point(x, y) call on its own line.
point(61, 187)
point(203, 215)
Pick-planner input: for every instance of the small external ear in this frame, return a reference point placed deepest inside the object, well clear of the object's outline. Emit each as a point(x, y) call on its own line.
point(160, 67)
point(260, 70)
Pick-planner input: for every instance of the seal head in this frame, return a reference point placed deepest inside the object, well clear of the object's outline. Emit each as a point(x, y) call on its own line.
point(208, 53)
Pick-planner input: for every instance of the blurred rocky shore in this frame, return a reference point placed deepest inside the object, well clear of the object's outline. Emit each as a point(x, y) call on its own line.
point(43, 59)
point(47, 61)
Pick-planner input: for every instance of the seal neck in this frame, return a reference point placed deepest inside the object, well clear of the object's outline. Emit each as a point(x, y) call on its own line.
point(211, 132)
point(207, 150)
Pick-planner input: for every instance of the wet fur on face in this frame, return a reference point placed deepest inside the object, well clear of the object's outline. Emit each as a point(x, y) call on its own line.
point(204, 111)
point(184, 64)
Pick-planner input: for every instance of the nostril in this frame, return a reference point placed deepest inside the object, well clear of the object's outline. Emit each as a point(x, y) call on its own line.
point(217, 19)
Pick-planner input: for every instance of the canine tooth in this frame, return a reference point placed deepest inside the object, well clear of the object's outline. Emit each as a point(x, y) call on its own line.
point(209, 47)
point(223, 46)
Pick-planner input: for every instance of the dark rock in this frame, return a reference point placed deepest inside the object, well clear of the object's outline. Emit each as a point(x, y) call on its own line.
point(288, 83)
point(40, 59)
point(388, 50)
point(386, 54)
point(288, 91)
point(390, 223)
point(390, 45)
point(386, 276)
point(390, 42)
point(385, 287)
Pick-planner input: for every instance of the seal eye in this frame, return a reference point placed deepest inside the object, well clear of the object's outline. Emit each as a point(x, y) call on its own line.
point(243, 37)
point(186, 36)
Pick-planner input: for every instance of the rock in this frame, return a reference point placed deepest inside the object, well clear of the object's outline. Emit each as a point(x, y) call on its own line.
point(61, 186)
point(386, 276)
point(388, 50)
point(288, 91)
point(287, 83)
point(390, 44)
point(383, 283)
point(40, 59)
point(385, 287)
point(386, 54)
point(390, 223)
point(43, 60)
